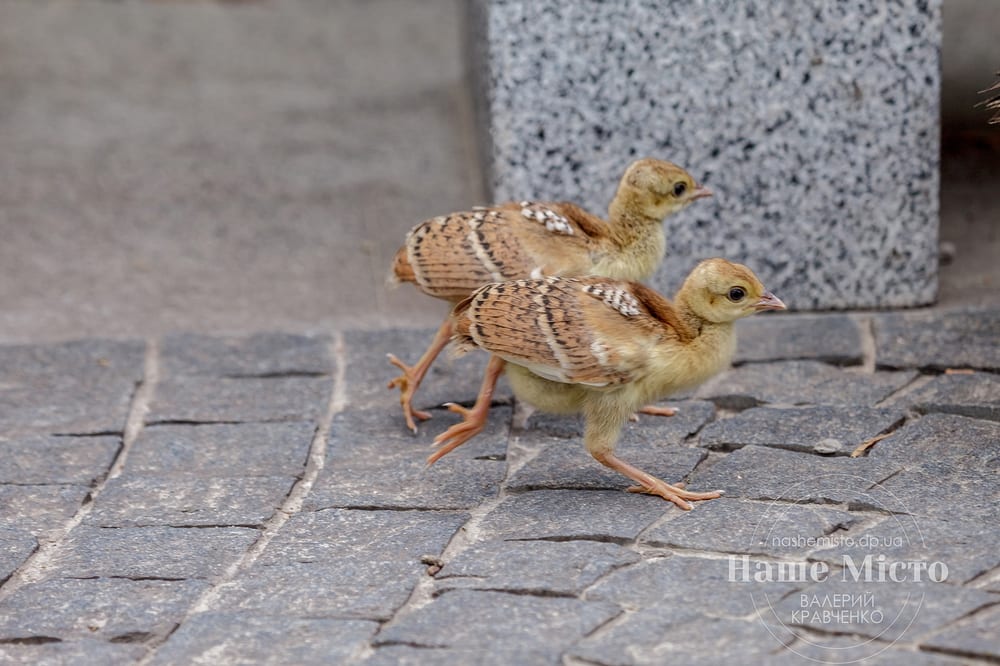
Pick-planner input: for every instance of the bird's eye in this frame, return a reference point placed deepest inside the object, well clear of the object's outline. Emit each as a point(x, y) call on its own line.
point(680, 189)
point(737, 294)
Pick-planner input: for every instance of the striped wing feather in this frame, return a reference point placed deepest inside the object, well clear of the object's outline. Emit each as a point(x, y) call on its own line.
point(450, 256)
point(560, 330)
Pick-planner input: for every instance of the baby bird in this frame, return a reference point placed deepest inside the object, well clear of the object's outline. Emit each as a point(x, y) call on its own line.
point(604, 347)
point(449, 257)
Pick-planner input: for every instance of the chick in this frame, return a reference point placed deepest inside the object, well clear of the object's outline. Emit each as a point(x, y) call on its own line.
point(604, 347)
point(451, 256)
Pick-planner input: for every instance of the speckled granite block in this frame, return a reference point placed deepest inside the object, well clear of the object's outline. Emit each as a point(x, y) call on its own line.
point(815, 122)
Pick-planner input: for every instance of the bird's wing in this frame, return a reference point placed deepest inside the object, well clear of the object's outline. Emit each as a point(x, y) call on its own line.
point(452, 255)
point(590, 225)
point(591, 331)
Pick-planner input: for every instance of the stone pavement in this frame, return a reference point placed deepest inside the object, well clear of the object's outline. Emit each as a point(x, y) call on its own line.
point(197, 499)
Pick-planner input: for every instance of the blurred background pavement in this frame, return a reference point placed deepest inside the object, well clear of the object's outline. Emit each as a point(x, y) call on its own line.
point(237, 166)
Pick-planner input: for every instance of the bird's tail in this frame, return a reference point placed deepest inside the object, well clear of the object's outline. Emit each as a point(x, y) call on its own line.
point(401, 271)
point(461, 338)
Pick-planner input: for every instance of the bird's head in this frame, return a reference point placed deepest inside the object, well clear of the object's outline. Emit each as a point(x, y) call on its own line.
point(720, 291)
point(655, 189)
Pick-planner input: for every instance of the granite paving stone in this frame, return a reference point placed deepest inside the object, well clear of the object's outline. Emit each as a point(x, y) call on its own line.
point(596, 515)
point(938, 339)
point(345, 588)
point(228, 400)
point(756, 528)
point(394, 536)
point(673, 581)
point(966, 544)
point(115, 609)
point(976, 395)
point(831, 338)
point(969, 443)
point(824, 649)
point(533, 567)
point(76, 651)
point(88, 359)
point(87, 384)
point(936, 490)
point(198, 502)
point(691, 416)
point(757, 472)
point(389, 469)
point(341, 563)
point(541, 426)
point(562, 464)
point(450, 379)
point(70, 407)
point(676, 633)
point(408, 655)
point(822, 429)
point(221, 450)
point(39, 508)
point(243, 638)
point(974, 636)
point(16, 545)
point(150, 552)
point(56, 460)
point(948, 461)
point(904, 610)
point(544, 626)
point(800, 383)
point(652, 444)
point(402, 480)
point(257, 355)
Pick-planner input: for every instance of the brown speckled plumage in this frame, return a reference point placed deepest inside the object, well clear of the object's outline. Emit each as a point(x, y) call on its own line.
point(605, 347)
point(553, 326)
point(448, 257)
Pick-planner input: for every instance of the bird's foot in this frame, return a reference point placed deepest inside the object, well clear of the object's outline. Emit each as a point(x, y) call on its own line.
point(474, 420)
point(653, 410)
point(676, 494)
point(407, 384)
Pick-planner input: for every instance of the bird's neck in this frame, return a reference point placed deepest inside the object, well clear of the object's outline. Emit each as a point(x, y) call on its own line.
point(696, 323)
point(687, 314)
point(679, 367)
point(637, 241)
point(708, 352)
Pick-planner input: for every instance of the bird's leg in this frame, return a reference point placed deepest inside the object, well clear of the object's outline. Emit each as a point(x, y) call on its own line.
point(474, 419)
point(653, 410)
point(651, 485)
point(408, 382)
point(601, 434)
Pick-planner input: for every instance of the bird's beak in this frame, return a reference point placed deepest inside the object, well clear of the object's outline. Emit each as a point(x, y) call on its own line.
point(700, 192)
point(769, 302)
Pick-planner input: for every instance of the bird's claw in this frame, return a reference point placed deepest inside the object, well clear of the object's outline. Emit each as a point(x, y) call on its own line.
point(676, 494)
point(654, 410)
point(406, 385)
point(458, 434)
